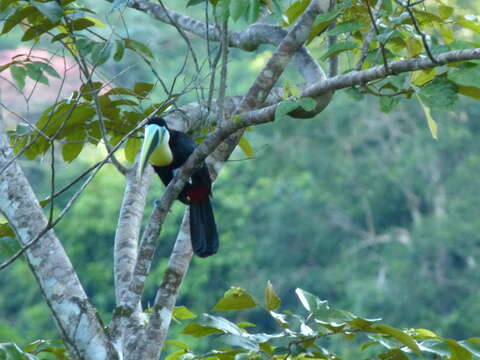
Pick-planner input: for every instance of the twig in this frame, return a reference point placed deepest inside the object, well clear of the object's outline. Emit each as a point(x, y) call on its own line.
point(332, 40)
point(223, 73)
point(407, 7)
point(377, 31)
point(368, 37)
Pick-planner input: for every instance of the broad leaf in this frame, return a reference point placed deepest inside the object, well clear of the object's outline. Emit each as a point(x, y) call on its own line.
point(339, 47)
point(131, 149)
point(272, 301)
point(246, 147)
point(51, 9)
point(432, 124)
point(198, 331)
point(441, 93)
point(466, 75)
point(235, 299)
point(182, 313)
point(398, 334)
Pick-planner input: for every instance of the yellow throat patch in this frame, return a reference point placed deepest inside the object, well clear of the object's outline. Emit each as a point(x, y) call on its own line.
point(162, 155)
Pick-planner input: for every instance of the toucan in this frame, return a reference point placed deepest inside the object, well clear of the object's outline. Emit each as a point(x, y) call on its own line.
point(167, 150)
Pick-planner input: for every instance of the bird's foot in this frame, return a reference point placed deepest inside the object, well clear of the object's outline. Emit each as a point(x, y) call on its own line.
point(157, 203)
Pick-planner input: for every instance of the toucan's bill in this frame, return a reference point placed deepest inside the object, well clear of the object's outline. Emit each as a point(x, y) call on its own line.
point(156, 138)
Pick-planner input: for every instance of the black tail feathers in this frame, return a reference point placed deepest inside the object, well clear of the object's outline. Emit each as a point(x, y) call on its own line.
point(203, 230)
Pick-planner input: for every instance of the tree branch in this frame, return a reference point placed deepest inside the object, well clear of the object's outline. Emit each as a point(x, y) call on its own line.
point(76, 318)
point(128, 229)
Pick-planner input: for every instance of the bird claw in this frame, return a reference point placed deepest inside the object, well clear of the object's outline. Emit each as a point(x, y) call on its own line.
point(157, 203)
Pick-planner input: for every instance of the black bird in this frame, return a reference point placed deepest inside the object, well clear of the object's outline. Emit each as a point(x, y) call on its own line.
point(167, 150)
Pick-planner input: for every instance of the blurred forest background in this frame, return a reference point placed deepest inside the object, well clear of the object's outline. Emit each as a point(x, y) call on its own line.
point(361, 207)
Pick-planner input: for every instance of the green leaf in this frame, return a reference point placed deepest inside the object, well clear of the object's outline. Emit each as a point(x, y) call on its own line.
point(235, 299)
point(339, 47)
point(85, 46)
point(421, 77)
point(246, 147)
point(432, 124)
point(194, 2)
point(183, 313)
point(71, 150)
point(221, 323)
point(34, 72)
point(285, 107)
point(71, 118)
point(245, 324)
point(447, 33)
point(237, 7)
point(120, 50)
point(290, 90)
point(131, 149)
point(177, 343)
point(468, 24)
point(199, 331)
point(458, 352)
point(445, 11)
point(138, 47)
point(88, 90)
point(6, 230)
point(466, 75)
point(14, 352)
point(241, 341)
point(37, 30)
point(361, 323)
point(345, 28)
point(4, 4)
point(322, 22)
point(142, 88)
point(81, 24)
point(473, 92)
point(435, 346)
point(388, 103)
point(472, 345)
point(281, 319)
point(18, 74)
point(425, 334)
point(294, 11)
point(441, 93)
point(223, 9)
point(176, 355)
point(17, 17)
point(307, 103)
point(393, 354)
point(51, 9)
point(272, 301)
point(398, 334)
point(308, 300)
point(253, 11)
point(100, 53)
point(48, 69)
point(368, 344)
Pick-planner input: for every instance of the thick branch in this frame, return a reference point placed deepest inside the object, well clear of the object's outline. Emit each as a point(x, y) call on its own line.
point(76, 318)
point(148, 346)
point(128, 230)
point(249, 39)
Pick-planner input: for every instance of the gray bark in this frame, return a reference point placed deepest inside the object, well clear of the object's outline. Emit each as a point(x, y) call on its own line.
point(77, 320)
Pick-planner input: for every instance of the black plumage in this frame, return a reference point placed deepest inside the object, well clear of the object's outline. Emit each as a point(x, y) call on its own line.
point(196, 193)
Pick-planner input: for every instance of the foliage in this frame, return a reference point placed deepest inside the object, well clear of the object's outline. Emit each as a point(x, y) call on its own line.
point(300, 335)
point(316, 200)
point(303, 335)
